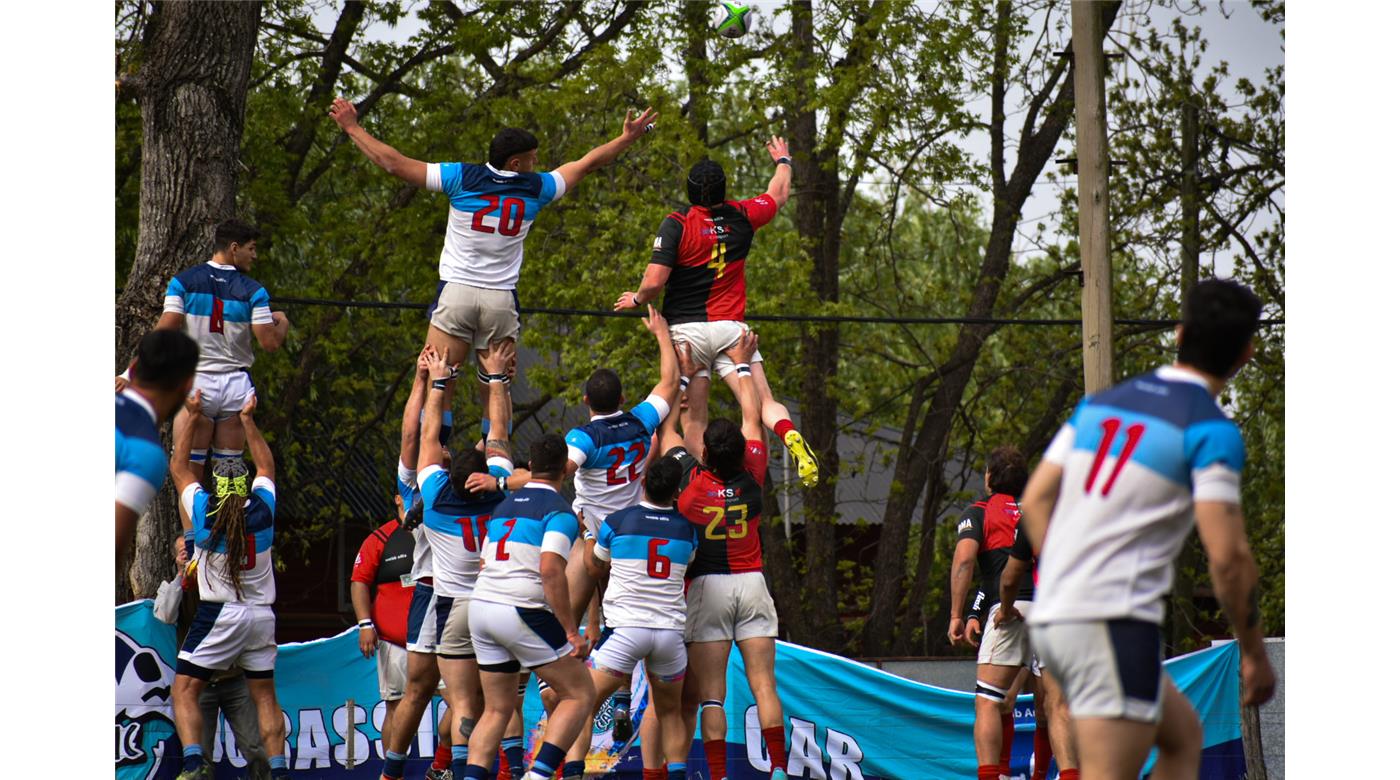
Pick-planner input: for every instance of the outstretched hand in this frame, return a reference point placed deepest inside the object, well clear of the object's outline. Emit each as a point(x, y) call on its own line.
point(627, 300)
point(496, 358)
point(777, 148)
point(247, 411)
point(344, 114)
point(743, 349)
point(632, 129)
point(657, 324)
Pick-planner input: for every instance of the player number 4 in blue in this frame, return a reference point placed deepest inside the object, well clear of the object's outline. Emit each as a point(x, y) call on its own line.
point(1111, 427)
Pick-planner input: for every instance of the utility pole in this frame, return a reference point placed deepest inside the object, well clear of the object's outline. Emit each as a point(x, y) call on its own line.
point(1091, 129)
point(1190, 196)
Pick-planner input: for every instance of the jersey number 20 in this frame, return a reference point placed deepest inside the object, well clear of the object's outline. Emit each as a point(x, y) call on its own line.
point(512, 215)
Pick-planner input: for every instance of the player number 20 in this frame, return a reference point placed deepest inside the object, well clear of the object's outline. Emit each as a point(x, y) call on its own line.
point(738, 530)
point(658, 565)
point(512, 216)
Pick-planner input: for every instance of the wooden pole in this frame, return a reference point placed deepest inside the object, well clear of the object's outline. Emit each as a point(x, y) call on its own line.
point(1091, 129)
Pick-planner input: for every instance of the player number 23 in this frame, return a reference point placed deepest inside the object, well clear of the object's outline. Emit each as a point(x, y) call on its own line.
point(738, 530)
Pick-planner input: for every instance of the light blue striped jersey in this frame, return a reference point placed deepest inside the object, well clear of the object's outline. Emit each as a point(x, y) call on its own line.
point(257, 581)
point(455, 528)
point(221, 304)
point(650, 548)
point(141, 460)
point(611, 453)
point(491, 214)
point(532, 521)
point(1134, 457)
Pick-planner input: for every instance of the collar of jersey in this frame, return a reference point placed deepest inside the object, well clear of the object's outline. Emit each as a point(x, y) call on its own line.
point(223, 267)
point(650, 505)
point(498, 172)
point(140, 400)
point(593, 417)
point(545, 485)
point(1174, 374)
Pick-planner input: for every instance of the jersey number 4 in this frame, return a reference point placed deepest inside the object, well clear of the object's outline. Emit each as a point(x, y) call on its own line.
point(717, 259)
point(512, 215)
point(1110, 432)
point(658, 565)
point(616, 475)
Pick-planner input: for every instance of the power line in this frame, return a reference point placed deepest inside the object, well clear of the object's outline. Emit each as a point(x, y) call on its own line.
point(1154, 323)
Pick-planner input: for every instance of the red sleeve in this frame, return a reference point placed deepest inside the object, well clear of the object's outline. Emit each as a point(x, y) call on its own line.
point(756, 460)
point(367, 559)
point(760, 210)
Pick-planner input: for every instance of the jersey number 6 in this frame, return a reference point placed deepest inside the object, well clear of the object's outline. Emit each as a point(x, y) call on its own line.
point(658, 565)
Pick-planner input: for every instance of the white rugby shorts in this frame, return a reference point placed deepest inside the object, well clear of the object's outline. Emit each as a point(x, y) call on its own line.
point(223, 395)
point(1008, 644)
point(729, 607)
point(1107, 668)
point(507, 637)
point(708, 341)
point(623, 647)
point(426, 619)
point(224, 635)
point(393, 670)
point(477, 315)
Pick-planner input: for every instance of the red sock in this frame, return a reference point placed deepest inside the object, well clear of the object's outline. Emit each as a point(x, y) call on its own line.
point(715, 757)
point(1069, 774)
point(782, 427)
point(503, 770)
point(1043, 753)
point(777, 747)
point(442, 758)
point(654, 774)
point(988, 772)
point(1008, 735)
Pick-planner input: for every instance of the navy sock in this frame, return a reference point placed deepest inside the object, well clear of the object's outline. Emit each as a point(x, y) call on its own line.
point(675, 770)
point(514, 748)
point(472, 772)
point(194, 758)
point(459, 761)
point(393, 764)
point(547, 759)
point(278, 765)
point(573, 769)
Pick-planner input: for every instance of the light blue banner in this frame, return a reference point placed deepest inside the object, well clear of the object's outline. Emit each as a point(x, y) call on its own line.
point(845, 720)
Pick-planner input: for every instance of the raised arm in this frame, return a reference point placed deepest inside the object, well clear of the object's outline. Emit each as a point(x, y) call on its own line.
point(413, 171)
point(429, 449)
point(257, 445)
point(598, 156)
point(779, 185)
point(670, 432)
point(413, 412)
point(741, 353)
point(669, 387)
point(180, 473)
point(653, 282)
point(495, 362)
point(1235, 578)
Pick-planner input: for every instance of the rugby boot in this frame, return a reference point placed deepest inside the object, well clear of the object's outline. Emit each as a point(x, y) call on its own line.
point(803, 455)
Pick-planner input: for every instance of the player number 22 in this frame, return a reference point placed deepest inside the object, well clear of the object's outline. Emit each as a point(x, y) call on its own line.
point(737, 531)
point(1111, 427)
point(617, 474)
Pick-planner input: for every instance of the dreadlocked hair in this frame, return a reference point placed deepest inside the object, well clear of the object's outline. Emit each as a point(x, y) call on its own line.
point(230, 524)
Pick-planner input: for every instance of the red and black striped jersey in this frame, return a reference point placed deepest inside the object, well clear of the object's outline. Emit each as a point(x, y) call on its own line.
point(992, 524)
point(727, 512)
point(705, 248)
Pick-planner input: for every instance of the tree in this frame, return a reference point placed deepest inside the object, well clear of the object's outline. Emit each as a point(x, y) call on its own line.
point(190, 84)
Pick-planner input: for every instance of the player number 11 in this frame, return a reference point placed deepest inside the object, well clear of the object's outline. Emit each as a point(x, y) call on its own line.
point(1110, 432)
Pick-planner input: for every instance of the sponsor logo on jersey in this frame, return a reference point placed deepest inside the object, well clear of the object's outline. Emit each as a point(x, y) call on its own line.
point(965, 525)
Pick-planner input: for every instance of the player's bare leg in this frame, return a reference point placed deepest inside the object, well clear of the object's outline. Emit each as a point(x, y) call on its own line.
point(465, 698)
point(705, 688)
point(697, 414)
point(777, 420)
point(1116, 748)
point(229, 440)
point(513, 743)
point(674, 739)
point(1061, 730)
point(994, 683)
point(456, 351)
point(1179, 737)
point(417, 695)
point(274, 732)
point(501, 702)
point(189, 719)
point(203, 438)
point(759, 653)
point(605, 684)
point(654, 756)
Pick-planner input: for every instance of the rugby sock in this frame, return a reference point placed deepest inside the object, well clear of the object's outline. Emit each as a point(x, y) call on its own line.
point(459, 761)
point(674, 771)
point(1043, 753)
point(514, 748)
point(988, 772)
point(199, 456)
point(278, 765)
point(194, 758)
point(547, 759)
point(219, 455)
point(442, 757)
point(777, 748)
point(393, 765)
point(1069, 774)
point(573, 769)
point(655, 774)
point(473, 772)
point(715, 757)
point(1008, 735)
point(782, 427)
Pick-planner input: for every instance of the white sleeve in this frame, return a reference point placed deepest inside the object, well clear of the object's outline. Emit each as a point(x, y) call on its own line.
point(1061, 446)
point(167, 603)
point(187, 498)
point(426, 473)
point(559, 186)
point(262, 315)
point(577, 456)
point(601, 552)
point(556, 543)
point(407, 475)
point(175, 304)
point(134, 492)
point(265, 484)
point(1216, 482)
point(433, 181)
point(499, 462)
point(662, 408)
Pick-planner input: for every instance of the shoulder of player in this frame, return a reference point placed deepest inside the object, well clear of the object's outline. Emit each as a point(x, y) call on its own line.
point(971, 517)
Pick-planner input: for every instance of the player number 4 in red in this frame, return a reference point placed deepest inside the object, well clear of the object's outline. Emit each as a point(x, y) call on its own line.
point(1110, 432)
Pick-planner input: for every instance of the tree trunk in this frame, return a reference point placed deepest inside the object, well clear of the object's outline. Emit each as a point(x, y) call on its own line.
point(818, 219)
point(697, 108)
point(927, 450)
point(191, 90)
